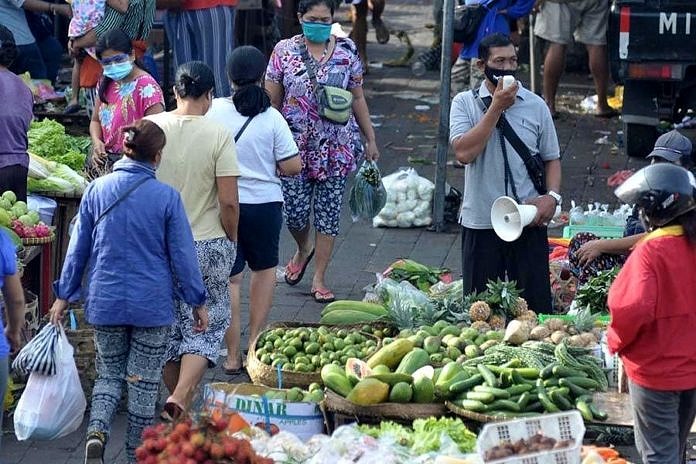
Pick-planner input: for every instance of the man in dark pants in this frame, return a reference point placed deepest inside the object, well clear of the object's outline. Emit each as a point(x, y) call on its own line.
point(492, 171)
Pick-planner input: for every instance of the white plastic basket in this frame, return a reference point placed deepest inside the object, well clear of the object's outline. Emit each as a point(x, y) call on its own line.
point(561, 426)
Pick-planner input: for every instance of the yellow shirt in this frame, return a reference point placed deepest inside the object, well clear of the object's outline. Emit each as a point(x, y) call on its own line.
point(198, 151)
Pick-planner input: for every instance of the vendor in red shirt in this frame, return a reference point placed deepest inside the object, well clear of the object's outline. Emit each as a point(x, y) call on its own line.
point(653, 313)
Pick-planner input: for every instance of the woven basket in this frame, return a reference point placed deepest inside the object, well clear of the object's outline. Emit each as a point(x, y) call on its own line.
point(394, 411)
point(82, 340)
point(38, 240)
point(475, 416)
point(263, 374)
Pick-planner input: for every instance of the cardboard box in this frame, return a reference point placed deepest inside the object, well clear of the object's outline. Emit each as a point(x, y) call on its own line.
point(302, 419)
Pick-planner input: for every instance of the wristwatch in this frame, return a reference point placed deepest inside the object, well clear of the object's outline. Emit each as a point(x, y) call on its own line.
point(555, 196)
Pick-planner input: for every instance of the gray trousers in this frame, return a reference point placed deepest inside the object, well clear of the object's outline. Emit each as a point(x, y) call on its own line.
point(662, 420)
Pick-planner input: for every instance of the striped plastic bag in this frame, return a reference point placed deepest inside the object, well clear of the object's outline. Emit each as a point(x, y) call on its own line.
point(39, 355)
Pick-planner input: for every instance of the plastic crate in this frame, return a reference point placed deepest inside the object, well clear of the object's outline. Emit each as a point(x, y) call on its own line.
point(569, 318)
point(561, 426)
point(599, 231)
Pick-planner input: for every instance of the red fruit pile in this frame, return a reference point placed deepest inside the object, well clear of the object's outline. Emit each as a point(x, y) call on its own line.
point(208, 440)
point(25, 231)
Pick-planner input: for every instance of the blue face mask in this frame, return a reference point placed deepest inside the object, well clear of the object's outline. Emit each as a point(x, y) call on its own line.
point(316, 32)
point(118, 71)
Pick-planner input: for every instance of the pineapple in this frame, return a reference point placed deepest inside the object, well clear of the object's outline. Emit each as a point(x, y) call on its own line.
point(479, 311)
point(584, 320)
point(497, 322)
point(520, 307)
point(481, 326)
point(503, 294)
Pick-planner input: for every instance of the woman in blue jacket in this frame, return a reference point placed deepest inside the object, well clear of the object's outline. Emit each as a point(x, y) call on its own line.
point(133, 238)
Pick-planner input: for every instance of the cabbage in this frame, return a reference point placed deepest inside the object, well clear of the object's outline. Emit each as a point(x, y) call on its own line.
point(64, 172)
point(50, 184)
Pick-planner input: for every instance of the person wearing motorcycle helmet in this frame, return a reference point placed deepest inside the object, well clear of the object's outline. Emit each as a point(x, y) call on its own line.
point(652, 315)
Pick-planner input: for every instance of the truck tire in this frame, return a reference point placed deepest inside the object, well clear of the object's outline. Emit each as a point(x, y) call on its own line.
point(639, 139)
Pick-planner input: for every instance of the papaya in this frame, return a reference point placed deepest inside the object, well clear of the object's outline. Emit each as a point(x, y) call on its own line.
point(332, 368)
point(391, 378)
point(357, 370)
point(381, 369)
point(369, 391)
point(361, 306)
point(413, 361)
point(423, 390)
point(392, 354)
point(401, 393)
point(337, 382)
point(347, 317)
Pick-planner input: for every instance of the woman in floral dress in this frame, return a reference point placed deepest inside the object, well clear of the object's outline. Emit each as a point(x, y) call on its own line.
point(329, 150)
point(126, 93)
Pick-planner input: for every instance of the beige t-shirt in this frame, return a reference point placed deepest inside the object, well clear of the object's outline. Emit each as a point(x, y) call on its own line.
point(198, 151)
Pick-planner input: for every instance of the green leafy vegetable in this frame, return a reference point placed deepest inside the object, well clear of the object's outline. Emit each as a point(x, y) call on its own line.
point(595, 292)
point(50, 184)
point(428, 434)
point(48, 139)
point(399, 433)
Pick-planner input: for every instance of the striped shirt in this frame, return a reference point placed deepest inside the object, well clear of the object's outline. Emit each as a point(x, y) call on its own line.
point(136, 22)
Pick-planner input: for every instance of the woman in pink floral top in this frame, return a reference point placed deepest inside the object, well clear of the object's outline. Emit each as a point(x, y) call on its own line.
point(126, 94)
point(329, 150)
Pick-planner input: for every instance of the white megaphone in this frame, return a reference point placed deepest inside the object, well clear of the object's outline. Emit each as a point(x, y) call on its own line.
point(509, 218)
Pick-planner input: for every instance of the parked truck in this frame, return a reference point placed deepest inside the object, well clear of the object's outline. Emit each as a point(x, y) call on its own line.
point(652, 50)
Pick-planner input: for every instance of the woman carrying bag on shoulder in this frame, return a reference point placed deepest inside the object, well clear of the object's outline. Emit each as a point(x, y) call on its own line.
point(316, 81)
point(133, 239)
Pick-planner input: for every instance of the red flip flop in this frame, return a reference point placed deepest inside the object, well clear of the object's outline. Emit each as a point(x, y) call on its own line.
point(296, 268)
point(323, 295)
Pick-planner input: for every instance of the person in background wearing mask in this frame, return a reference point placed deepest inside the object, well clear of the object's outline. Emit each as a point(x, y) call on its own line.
point(589, 255)
point(651, 304)
point(493, 170)
point(329, 150)
point(126, 93)
point(133, 240)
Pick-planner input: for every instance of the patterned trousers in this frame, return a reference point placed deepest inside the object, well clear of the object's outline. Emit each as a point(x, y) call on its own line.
point(133, 357)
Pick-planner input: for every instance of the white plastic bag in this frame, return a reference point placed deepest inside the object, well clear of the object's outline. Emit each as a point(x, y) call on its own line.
point(52, 406)
point(409, 200)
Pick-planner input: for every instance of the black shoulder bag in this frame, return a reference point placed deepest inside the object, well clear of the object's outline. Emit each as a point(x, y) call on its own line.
point(241, 131)
point(467, 19)
point(533, 163)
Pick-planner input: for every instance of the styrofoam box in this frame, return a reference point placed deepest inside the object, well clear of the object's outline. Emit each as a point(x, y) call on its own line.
point(561, 426)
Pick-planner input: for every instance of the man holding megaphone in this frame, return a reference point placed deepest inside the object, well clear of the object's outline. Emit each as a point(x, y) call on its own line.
point(505, 137)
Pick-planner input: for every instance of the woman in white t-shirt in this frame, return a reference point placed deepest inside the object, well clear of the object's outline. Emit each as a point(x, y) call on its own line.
point(265, 147)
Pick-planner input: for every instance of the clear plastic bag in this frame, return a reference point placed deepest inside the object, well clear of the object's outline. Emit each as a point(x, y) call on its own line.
point(409, 200)
point(368, 195)
point(52, 406)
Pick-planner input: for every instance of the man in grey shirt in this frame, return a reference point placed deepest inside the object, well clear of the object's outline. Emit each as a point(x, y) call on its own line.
point(476, 140)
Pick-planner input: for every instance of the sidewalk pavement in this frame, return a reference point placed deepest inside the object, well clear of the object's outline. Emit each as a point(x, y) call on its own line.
point(406, 137)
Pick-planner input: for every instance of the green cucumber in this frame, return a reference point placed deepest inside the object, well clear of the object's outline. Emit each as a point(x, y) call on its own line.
point(471, 405)
point(547, 372)
point(519, 389)
point(563, 371)
point(467, 384)
point(544, 399)
point(584, 382)
point(505, 405)
point(524, 400)
point(480, 396)
point(585, 410)
point(535, 406)
point(597, 413)
point(488, 376)
point(512, 363)
point(575, 389)
point(552, 382)
point(517, 379)
point(497, 392)
point(560, 400)
point(527, 372)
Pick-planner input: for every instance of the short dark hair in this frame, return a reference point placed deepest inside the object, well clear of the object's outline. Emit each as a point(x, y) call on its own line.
point(305, 5)
point(492, 41)
point(8, 47)
point(193, 80)
point(143, 140)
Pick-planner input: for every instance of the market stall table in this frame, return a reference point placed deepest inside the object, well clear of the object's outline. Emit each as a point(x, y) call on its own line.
point(67, 206)
point(45, 252)
point(618, 407)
